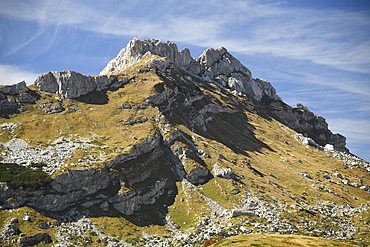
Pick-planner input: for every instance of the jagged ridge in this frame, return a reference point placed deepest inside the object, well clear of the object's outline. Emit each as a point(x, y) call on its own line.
point(214, 65)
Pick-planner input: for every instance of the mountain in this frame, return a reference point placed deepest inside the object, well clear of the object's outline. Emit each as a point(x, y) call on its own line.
point(162, 149)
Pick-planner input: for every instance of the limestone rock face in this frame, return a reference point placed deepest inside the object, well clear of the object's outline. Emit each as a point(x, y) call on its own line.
point(14, 98)
point(219, 171)
point(220, 62)
point(214, 65)
point(309, 124)
point(220, 66)
point(66, 190)
point(138, 49)
point(90, 181)
point(70, 84)
point(15, 89)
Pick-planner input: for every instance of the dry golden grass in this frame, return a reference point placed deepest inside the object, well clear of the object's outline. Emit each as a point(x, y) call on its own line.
point(28, 228)
point(278, 241)
point(269, 148)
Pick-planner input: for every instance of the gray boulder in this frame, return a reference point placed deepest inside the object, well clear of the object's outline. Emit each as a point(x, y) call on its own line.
point(54, 109)
point(16, 145)
point(36, 239)
point(15, 89)
point(9, 230)
point(219, 171)
point(199, 175)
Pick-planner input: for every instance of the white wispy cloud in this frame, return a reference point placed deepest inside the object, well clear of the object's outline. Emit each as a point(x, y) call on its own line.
point(23, 39)
point(330, 103)
point(322, 37)
point(357, 134)
point(345, 84)
point(336, 38)
point(10, 74)
point(64, 12)
point(358, 130)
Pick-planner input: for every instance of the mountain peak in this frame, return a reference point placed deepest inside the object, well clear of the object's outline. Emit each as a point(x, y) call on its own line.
point(213, 65)
point(137, 49)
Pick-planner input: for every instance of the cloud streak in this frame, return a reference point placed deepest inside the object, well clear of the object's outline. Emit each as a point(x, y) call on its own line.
point(357, 134)
point(10, 74)
point(327, 37)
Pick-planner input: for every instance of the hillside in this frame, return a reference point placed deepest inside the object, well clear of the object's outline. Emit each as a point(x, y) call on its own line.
point(162, 149)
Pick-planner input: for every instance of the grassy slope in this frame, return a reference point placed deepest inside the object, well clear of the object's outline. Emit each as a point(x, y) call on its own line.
point(278, 241)
point(279, 156)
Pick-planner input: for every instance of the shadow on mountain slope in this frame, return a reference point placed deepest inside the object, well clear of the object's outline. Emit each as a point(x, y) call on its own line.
point(95, 98)
point(194, 105)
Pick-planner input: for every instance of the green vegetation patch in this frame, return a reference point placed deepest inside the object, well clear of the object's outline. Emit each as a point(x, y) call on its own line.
point(120, 228)
point(19, 176)
point(187, 207)
point(27, 227)
point(218, 189)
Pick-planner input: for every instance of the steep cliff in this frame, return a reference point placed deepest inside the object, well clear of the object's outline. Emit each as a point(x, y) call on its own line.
point(70, 84)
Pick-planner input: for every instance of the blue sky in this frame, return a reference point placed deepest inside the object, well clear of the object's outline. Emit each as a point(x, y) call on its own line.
point(313, 52)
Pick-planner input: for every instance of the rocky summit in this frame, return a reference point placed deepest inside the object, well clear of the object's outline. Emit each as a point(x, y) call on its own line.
point(162, 149)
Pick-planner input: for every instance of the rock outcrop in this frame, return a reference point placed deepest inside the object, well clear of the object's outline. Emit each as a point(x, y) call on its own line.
point(138, 49)
point(219, 171)
point(15, 89)
point(128, 185)
point(306, 122)
point(220, 66)
point(152, 181)
point(36, 239)
point(70, 84)
point(14, 99)
point(66, 190)
point(214, 65)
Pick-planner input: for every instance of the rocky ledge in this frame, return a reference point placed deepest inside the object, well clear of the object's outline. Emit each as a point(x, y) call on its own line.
point(123, 187)
point(14, 99)
point(70, 84)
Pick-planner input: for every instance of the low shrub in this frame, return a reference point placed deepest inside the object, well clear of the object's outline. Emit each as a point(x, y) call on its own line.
point(209, 242)
point(19, 176)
